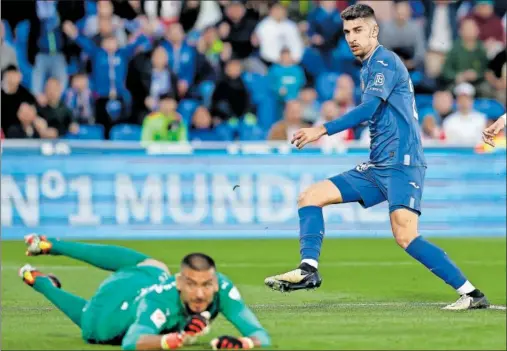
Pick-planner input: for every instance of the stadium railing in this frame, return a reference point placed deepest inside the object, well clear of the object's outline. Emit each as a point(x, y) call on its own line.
point(90, 190)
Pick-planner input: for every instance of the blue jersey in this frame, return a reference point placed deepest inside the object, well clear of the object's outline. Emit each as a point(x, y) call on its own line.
point(394, 129)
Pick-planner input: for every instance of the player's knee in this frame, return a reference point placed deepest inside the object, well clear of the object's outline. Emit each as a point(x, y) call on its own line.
point(404, 227)
point(320, 194)
point(309, 197)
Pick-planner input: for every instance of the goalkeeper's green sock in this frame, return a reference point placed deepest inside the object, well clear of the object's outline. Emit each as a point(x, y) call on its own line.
point(71, 305)
point(108, 257)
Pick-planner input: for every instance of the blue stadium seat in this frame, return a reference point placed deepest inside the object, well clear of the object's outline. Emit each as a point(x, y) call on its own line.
point(90, 7)
point(21, 46)
point(423, 100)
point(491, 108)
point(257, 85)
point(130, 132)
point(325, 85)
point(206, 89)
point(223, 132)
point(266, 112)
point(88, 132)
point(313, 62)
point(186, 109)
point(8, 32)
point(251, 132)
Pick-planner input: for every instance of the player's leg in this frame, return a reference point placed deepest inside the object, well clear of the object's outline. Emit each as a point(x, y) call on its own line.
point(108, 257)
point(405, 208)
point(351, 186)
point(49, 286)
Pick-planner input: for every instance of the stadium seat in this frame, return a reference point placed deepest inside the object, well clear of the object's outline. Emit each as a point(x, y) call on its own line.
point(8, 32)
point(313, 62)
point(186, 109)
point(125, 132)
point(423, 100)
point(90, 8)
point(21, 47)
point(257, 85)
point(266, 112)
point(88, 132)
point(223, 132)
point(206, 89)
point(491, 108)
point(325, 85)
point(251, 132)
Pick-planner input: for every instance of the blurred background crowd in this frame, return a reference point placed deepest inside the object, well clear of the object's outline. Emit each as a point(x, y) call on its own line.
point(227, 70)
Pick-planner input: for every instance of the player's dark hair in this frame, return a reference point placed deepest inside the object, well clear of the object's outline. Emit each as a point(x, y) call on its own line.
point(198, 262)
point(357, 11)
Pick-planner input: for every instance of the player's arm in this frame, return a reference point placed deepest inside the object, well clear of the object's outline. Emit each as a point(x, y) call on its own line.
point(489, 133)
point(237, 312)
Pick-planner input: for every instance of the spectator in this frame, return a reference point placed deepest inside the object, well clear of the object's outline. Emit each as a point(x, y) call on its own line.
point(231, 97)
point(325, 28)
point(276, 32)
point(13, 95)
point(214, 49)
point(404, 36)
point(236, 28)
point(30, 126)
point(8, 57)
point(467, 60)
point(79, 99)
point(495, 75)
point(441, 32)
point(465, 125)
point(344, 93)
point(284, 130)
point(202, 128)
point(165, 124)
point(431, 118)
point(181, 57)
point(167, 12)
point(286, 78)
point(309, 104)
point(198, 15)
point(383, 9)
point(104, 23)
point(108, 74)
point(491, 31)
point(55, 112)
point(330, 112)
point(50, 60)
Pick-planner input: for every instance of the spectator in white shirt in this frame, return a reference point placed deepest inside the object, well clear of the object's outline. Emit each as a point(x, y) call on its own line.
point(330, 112)
point(276, 32)
point(465, 125)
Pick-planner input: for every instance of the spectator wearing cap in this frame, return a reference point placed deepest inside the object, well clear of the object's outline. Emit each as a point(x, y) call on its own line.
point(404, 36)
point(276, 32)
point(8, 57)
point(467, 61)
point(432, 117)
point(79, 99)
point(164, 124)
point(325, 28)
point(54, 111)
point(286, 79)
point(13, 95)
point(181, 57)
point(236, 29)
point(30, 126)
point(50, 60)
point(465, 125)
point(230, 98)
point(108, 74)
point(491, 31)
point(284, 130)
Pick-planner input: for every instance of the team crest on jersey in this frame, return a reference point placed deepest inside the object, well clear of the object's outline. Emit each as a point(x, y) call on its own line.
point(158, 318)
point(379, 79)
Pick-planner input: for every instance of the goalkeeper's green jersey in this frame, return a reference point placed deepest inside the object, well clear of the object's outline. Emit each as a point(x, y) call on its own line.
point(144, 300)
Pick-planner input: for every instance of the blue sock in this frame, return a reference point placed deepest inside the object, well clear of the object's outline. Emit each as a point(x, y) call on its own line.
point(437, 261)
point(311, 232)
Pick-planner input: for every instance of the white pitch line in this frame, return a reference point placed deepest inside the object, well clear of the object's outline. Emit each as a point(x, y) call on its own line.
point(366, 304)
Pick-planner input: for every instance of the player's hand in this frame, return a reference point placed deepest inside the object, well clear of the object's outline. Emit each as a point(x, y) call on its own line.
point(307, 135)
point(198, 324)
point(230, 342)
point(489, 133)
point(171, 341)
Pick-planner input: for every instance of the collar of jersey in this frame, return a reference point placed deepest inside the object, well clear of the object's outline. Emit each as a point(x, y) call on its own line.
point(371, 56)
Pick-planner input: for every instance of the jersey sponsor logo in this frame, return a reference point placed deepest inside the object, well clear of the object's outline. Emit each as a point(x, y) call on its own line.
point(234, 294)
point(379, 79)
point(158, 318)
point(382, 63)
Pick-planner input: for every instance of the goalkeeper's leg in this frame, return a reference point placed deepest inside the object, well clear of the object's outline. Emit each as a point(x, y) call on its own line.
point(108, 257)
point(49, 286)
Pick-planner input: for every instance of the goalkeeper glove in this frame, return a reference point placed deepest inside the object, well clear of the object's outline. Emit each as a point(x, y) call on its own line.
point(171, 341)
point(230, 342)
point(198, 325)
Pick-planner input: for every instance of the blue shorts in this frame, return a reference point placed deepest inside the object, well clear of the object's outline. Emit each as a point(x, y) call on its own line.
point(402, 186)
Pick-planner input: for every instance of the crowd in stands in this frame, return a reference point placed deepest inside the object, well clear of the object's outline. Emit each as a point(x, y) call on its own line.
point(226, 70)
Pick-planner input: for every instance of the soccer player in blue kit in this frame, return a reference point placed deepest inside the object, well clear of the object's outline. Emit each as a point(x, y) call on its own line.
point(394, 173)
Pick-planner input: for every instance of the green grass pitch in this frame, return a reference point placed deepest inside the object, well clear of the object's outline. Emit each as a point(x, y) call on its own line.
point(374, 296)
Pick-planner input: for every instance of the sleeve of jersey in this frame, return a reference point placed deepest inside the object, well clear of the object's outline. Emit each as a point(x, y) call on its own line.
point(150, 320)
point(360, 114)
point(237, 312)
point(382, 79)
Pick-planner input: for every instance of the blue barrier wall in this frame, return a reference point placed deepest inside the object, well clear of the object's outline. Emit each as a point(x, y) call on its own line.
point(75, 190)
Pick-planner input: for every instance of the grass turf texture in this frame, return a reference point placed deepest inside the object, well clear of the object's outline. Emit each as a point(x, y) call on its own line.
point(374, 296)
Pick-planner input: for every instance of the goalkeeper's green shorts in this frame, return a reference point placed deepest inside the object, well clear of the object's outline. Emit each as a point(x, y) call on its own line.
point(110, 312)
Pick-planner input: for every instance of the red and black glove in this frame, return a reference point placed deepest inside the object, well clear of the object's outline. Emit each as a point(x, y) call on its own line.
point(197, 325)
point(230, 342)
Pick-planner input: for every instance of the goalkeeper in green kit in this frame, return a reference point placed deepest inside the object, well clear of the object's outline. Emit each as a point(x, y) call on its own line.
point(141, 306)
